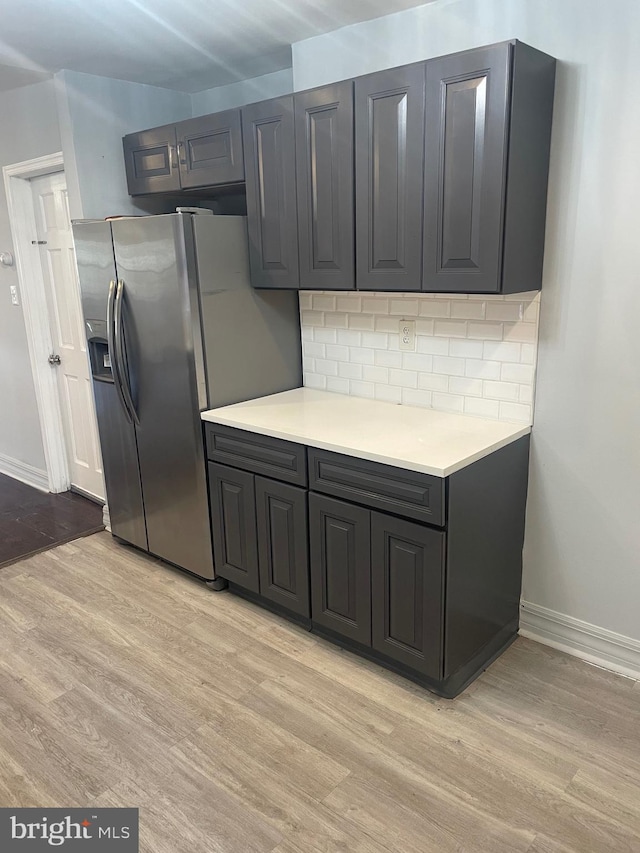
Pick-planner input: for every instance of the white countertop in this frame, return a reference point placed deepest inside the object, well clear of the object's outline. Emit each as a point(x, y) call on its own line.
point(408, 437)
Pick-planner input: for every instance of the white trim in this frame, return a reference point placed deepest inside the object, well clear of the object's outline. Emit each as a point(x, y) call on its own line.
point(33, 293)
point(595, 645)
point(25, 473)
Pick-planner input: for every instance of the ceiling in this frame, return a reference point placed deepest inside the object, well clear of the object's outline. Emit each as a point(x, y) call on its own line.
point(187, 45)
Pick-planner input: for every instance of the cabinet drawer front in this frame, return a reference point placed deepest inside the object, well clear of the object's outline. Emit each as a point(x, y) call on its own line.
point(406, 582)
point(408, 493)
point(261, 454)
point(283, 548)
point(210, 150)
point(233, 518)
point(340, 552)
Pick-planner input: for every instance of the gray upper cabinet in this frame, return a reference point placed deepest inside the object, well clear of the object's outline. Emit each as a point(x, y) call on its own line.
point(324, 178)
point(198, 152)
point(151, 161)
point(210, 150)
point(389, 128)
point(487, 139)
point(269, 153)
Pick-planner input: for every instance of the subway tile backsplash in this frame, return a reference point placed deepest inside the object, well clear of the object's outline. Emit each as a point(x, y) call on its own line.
point(473, 354)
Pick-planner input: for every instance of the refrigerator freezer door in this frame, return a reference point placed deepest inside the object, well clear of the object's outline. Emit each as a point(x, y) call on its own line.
point(154, 257)
point(94, 252)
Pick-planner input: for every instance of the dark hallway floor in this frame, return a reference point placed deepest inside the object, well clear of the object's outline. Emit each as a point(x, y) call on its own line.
point(32, 521)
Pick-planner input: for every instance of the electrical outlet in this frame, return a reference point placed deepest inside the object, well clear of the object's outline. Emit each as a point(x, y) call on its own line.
point(14, 295)
point(408, 335)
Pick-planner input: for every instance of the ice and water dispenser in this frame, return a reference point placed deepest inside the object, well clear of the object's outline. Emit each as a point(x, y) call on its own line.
point(99, 356)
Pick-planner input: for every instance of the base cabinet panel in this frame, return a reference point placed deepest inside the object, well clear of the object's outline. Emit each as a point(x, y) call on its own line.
point(339, 538)
point(283, 554)
point(233, 517)
point(406, 583)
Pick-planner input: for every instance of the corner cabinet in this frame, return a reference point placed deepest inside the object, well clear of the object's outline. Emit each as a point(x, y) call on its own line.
point(199, 152)
point(419, 573)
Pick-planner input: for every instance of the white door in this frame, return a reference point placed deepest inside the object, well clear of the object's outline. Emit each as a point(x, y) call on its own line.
point(55, 241)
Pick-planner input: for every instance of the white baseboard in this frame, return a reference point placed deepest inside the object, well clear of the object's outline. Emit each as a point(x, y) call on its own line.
point(25, 473)
point(595, 645)
point(106, 518)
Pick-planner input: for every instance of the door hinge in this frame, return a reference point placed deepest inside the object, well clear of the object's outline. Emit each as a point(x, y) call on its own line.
point(54, 359)
point(38, 242)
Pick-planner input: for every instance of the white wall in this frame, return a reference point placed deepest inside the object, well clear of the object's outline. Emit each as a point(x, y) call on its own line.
point(582, 549)
point(29, 129)
point(244, 92)
point(96, 112)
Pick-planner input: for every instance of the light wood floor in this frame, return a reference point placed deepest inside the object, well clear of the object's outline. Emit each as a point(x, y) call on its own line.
point(125, 683)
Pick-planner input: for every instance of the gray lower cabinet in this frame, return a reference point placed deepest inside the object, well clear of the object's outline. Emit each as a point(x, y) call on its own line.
point(389, 128)
point(151, 161)
point(269, 154)
point(324, 181)
point(340, 546)
point(210, 150)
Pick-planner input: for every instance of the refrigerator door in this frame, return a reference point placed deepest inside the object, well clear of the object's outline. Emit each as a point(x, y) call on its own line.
point(165, 372)
point(96, 269)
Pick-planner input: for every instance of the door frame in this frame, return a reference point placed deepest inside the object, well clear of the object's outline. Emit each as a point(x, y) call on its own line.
point(31, 281)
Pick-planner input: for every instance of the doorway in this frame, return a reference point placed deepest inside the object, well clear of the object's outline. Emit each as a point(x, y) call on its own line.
point(41, 227)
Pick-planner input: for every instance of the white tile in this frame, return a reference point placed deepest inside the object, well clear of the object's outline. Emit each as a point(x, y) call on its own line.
point(432, 346)
point(313, 349)
point(417, 361)
point(324, 336)
point(447, 402)
point(329, 368)
point(424, 327)
point(385, 358)
point(362, 321)
point(337, 352)
point(313, 380)
point(527, 333)
point(375, 374)
point(335, 321)
point(482, 408)
point(404, 378)
point(388, 393)
point(479, 369)
point(526, 394)
point(375, 305)
point(340, 386)
point(305, 301)
point(404, 307)
point(349, 303)
point(308, 364)
point(435, 308)
point(501, 390)
point(393, 342)
point(361, 355)
point(484, 331)
point(515, 412)
point(525, 296)
point(508, 311)
point(386, 324)
point(376, 340)
point(349, 371)
point(450, 328)
point(465, 349)
point(470, 310)
point(349, 338)
point(532, 311)
point(464, 386)
point(306, 333)
point(522, 373)
point(361, 389)
point(433, 381)
point(324, 302)
point(448, 365)
point(313, 318)
point(412, 397)
point(498, 351)
point(527, 354)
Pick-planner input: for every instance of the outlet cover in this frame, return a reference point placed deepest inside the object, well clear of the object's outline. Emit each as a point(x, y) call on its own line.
point(408, 335)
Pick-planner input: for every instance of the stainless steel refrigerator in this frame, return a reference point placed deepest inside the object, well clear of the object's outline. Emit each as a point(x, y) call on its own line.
point(173, 328)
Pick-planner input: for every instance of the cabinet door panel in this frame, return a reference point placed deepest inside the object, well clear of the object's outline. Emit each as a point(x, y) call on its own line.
point(269, 155)
point(233, 516)
point(324, 168)
point(389, 122)
point(467, 103)
point(283, 550)
point(150, 161)
point(406, 581)
point(210, 150)
point(340, 574)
